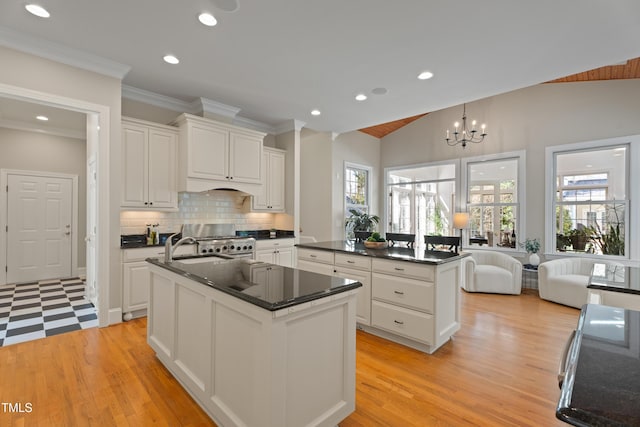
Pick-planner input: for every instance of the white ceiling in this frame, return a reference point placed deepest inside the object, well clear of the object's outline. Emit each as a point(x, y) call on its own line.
point(277, 60)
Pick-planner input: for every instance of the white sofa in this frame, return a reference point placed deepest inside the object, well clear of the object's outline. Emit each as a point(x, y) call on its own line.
point(492, 272)
point(565, 280)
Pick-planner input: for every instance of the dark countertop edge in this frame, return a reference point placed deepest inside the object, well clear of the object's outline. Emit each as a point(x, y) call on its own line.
point(386, 256)
point(249, 298)
point(613, 288)
point(138, 239)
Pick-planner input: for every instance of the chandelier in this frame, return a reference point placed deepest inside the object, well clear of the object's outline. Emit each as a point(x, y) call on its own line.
point(464, 135)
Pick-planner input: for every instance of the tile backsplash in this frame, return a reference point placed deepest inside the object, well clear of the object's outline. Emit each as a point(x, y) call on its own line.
point(213, 207)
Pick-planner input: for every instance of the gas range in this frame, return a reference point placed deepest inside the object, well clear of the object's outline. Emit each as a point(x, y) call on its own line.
point(227, 245)
point(220, 239)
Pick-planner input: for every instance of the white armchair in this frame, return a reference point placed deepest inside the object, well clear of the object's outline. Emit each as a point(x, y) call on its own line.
point(492, 272)
point(565, 280)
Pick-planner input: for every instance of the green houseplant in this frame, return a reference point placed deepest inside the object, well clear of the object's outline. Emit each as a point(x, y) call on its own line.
point(361, 223)
point(611, 240)
point(532, 246)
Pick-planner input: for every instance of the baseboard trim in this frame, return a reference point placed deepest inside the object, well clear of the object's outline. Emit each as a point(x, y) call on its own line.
point(115, 316)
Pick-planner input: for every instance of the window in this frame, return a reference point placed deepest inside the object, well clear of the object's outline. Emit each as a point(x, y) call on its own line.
point(494, 200)
point(421, 200)
point(356, 191)
point(590, 202)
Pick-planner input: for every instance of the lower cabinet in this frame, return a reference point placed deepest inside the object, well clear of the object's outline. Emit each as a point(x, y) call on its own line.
point(135, 277)
point(414, 304)
point(347, 266)
point(275, 251)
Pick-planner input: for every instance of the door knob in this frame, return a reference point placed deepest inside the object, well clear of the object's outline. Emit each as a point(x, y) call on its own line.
point(67, 233)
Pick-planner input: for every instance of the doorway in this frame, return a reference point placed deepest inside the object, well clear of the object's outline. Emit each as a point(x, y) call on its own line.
point(98, 147)
point(41, 226)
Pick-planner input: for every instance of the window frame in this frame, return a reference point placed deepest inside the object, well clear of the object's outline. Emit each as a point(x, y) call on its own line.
point(632, 222)
point(345, 205)
point(520, 202)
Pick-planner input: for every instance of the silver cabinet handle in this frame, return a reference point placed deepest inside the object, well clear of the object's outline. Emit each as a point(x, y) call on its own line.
point(350, 262)
point(562, 369)
point(313, 256)
point(398, 322)
point(398, 269)
point(398, 292)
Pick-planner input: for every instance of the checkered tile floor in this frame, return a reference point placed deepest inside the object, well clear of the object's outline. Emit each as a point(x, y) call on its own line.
point(29, 311)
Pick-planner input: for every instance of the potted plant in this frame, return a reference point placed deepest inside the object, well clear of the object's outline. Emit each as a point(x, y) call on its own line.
point(578, 237)
point(361, 223)
point(611, 241)
point(532, 246)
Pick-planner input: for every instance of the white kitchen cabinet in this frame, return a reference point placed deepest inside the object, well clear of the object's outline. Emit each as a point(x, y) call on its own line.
point(218, 155)
point(275, 251)
point(272, 196)
point(149, 165)
point(415, 304)
point(135, 277)
point(347, 266)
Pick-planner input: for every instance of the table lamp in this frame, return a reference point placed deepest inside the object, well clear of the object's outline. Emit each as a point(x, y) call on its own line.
point(460, 221)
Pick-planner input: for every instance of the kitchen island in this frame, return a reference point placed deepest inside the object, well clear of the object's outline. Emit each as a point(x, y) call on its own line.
point(409, 295)
point(255, 343)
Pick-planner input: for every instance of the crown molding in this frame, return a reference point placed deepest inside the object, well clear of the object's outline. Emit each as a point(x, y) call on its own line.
point(289, 125)
point(210, 106)
point(152, 98)
point(255, 125)
point(32, 127)
point(63, 54)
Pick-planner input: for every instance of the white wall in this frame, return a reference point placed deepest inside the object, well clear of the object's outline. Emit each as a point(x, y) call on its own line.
point(37, 74)
point(528, 119)
point(57, 154)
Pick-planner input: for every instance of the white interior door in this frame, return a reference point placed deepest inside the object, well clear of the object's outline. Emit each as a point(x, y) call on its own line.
point(39, 233)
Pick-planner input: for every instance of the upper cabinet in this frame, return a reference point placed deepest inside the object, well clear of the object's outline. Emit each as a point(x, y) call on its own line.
point(149, 154)
point(271, 198)
point(218, 155)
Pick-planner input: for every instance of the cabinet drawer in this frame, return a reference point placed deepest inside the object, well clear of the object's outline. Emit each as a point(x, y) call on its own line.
point(315, 256)
point(402, 321)
point(409, 269)
point(399, 290)
point(273, 244)
point(353, 261)
point(315, 267)
point(140, 254)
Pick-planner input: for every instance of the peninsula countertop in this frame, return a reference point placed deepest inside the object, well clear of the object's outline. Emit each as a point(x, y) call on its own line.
point(399, 253)
point(245, 279)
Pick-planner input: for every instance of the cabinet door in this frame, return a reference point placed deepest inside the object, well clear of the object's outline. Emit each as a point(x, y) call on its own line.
point(285, 256)
point(265, 255)
point(245, 158)
point(208, 152)
point(275, 181)
point(261, 201)
point(363, 300)
point(135, 286)
point(163, 189)
point(134, 166)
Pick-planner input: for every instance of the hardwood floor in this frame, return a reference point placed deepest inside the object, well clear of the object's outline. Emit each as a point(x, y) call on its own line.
point(499, 370)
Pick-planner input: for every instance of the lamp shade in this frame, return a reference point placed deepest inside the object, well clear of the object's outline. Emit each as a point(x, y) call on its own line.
point(460, 220)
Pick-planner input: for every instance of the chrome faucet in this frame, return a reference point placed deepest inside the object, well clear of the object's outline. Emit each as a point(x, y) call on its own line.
point(169, 248)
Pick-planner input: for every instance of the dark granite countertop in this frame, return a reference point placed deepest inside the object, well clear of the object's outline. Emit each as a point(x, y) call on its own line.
point(266, 234)
point(129, 241)
point(602, 383)
point(418, 255)
point(615, 278)
point(245, 279)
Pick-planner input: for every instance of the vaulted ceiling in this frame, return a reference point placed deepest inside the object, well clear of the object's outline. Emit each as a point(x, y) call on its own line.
point(627, 70)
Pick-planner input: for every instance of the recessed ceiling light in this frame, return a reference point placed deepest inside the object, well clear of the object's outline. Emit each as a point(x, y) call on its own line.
point(425, 75)
point(37, 10)
point(207, 19)
point(42, 118)
point(361, 97)
point(315, 112)
point(589, 166)
point(170, 59)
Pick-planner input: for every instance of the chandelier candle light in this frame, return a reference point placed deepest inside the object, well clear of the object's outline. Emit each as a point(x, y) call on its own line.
point(464, 135)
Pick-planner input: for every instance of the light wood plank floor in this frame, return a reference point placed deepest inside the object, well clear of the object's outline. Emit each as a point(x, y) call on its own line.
point(499, 370)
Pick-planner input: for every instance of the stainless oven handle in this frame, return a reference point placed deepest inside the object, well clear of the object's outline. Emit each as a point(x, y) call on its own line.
point(562, 369)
